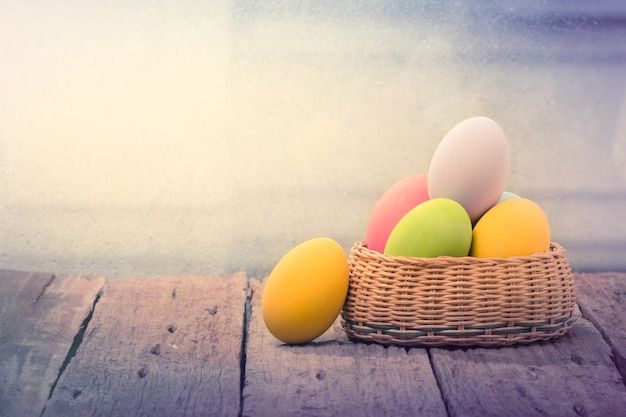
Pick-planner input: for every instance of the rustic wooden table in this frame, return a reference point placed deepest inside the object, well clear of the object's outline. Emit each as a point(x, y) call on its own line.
point(197, 346)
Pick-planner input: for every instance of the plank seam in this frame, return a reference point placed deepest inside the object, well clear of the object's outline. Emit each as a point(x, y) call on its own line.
point(618, 361)
point(247, 312)
point(439, 383)
point(45, 288)
point(78, 340)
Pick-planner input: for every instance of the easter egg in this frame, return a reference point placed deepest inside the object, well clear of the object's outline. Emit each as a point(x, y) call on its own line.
point(437, 227)
point(305, 291)
point(471, 165)
point(392, 206)
point(515, 227)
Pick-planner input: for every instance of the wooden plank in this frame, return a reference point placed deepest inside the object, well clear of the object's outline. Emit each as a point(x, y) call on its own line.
point(602, 298)
point(569, 376)
point(332, 376)
point(40, 314)
point(159, 346)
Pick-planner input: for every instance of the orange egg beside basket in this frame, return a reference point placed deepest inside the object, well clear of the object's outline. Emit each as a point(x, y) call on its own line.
point(463, 301)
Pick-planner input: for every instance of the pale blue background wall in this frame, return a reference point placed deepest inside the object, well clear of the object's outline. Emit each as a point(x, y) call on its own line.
point(157, 137)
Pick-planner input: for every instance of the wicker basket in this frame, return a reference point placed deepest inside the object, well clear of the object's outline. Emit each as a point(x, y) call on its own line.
point(458, 301)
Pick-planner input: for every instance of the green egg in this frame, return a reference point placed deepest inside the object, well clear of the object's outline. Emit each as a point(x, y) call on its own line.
point(437, 227)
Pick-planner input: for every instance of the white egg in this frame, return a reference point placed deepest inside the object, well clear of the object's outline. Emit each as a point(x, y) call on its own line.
point(471, 165)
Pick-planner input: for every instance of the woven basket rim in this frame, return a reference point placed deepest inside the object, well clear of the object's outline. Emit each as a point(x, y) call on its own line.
point(555, 249)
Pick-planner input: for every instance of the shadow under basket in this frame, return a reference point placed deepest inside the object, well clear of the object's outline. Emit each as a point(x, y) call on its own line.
point(463, 301)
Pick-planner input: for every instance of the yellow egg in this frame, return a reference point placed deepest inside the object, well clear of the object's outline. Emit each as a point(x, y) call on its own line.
point(306, 290)
point(514, 227)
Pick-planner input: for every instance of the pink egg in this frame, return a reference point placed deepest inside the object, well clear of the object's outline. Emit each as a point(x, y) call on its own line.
point(392, 206)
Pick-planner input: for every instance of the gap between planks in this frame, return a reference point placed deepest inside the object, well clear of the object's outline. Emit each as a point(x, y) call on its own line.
point(602, 300)
point(78, 339)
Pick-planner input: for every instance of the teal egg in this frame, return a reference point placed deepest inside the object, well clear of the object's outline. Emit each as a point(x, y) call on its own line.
point(507, 195)
point(437, 227)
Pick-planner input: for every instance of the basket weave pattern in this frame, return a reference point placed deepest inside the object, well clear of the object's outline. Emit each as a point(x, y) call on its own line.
point(458, 301)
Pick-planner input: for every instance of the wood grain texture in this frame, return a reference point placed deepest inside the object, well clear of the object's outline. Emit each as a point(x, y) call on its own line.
point(159, 347)
point(573, 375)
point(173, 346)
point(332, 376)
point(602, 298)
point(40, 315)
